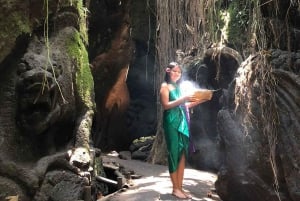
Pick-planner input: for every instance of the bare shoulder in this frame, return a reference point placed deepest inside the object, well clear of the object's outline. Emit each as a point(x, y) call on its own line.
point(164, 87)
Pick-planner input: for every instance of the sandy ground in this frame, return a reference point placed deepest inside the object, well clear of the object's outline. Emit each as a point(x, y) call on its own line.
point(155, 183)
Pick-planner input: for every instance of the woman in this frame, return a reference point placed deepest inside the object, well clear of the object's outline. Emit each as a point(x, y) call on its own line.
point(176, 125)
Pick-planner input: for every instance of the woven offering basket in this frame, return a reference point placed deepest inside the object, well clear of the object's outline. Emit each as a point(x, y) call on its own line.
point(203, 94)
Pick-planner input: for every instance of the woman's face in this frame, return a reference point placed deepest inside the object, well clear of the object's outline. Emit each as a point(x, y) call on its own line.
point(175, 74)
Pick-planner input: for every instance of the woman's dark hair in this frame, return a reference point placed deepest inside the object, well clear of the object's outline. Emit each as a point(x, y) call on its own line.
point(169, 68)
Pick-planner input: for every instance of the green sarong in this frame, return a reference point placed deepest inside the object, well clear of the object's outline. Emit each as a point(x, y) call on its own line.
point(176, 132)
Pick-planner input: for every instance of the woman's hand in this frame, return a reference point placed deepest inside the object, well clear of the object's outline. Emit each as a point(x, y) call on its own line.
point(191, 98)
point(199, 97)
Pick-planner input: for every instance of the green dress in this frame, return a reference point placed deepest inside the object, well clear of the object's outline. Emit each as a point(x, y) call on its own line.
point(176, 132)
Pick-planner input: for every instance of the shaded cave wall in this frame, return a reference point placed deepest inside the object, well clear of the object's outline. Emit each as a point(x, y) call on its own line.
point(110, 39)
point(257, 124)
point(122, 55)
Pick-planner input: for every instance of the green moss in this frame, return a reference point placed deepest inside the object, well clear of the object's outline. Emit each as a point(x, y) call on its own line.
point(84, 79)
point(16, 24)
point(13, 25)
point(82, 11)
point(82, 22)
point(238, 24)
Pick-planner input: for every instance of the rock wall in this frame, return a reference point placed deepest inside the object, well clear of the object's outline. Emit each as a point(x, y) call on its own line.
point(47, 101)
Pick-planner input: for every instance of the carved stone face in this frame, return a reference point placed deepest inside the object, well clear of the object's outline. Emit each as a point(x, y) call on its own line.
point(44, 85)
point(37, 93)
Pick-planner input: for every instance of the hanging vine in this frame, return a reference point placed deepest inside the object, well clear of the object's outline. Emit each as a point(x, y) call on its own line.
point(181, 25)
point(262, 76)
point(46, 38)
point(83, 11)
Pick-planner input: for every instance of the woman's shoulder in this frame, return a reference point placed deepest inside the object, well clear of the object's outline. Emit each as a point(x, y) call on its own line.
point(164, 88)
point(164, 84)
point(167, 87)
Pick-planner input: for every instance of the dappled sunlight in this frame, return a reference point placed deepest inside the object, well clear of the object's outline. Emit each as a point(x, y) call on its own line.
point(155, 182)
point(190, 182)
point(164, 174)
point(161, 184)
point(200, 176)
point(198, 183)
point(203, 199)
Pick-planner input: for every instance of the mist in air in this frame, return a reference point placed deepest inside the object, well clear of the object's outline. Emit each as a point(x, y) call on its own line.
point(188, 87)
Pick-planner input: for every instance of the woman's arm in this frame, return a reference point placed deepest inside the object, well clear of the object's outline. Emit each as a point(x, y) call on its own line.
point(164, 98)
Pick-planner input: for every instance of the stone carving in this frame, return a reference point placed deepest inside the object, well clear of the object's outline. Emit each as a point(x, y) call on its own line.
point(47, 106)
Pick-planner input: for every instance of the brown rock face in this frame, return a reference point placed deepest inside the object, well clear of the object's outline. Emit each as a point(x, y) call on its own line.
point(110, 70)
